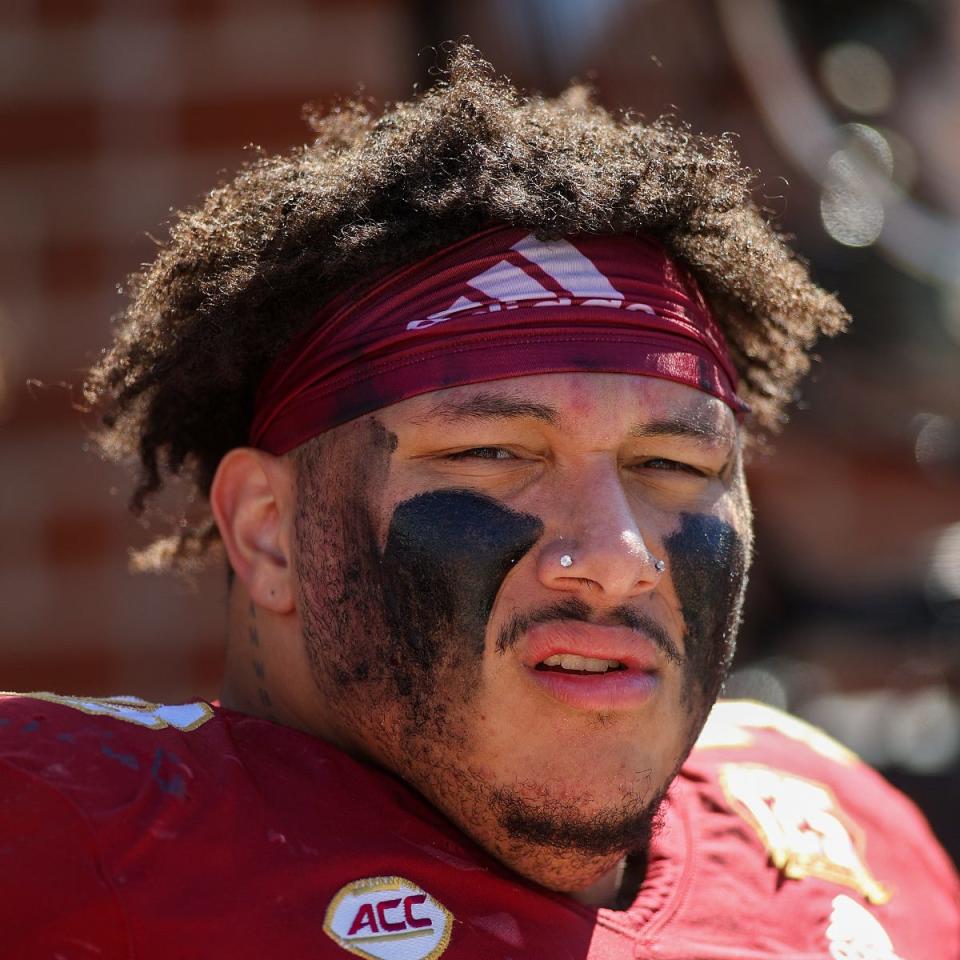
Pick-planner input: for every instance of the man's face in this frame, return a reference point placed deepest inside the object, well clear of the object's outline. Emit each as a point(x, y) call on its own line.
point(435, 606)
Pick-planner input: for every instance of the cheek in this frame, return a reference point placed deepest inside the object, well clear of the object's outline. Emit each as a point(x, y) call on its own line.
point(446, 554)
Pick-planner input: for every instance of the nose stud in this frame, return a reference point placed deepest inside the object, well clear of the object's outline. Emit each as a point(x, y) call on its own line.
point(567, 561)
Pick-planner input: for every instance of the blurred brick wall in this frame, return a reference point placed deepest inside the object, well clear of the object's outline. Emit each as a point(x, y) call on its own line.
point(111, 114)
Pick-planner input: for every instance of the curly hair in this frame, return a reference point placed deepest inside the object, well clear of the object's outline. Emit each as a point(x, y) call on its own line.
point(245, 272)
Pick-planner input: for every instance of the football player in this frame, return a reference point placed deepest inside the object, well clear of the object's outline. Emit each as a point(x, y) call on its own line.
point(465, 391)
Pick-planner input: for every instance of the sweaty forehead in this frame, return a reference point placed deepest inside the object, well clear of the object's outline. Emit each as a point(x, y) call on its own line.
point(575, 403)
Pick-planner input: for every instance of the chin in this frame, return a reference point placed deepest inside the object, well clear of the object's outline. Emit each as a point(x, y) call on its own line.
point(585, 827)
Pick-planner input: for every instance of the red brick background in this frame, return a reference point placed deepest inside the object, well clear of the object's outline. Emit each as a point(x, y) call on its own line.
point(112, 115)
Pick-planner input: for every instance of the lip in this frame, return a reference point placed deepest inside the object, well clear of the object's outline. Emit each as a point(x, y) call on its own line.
point(617, 690)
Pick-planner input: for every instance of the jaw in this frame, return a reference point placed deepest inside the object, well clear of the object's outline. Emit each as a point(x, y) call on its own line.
point(564, 843)
point(531, 813)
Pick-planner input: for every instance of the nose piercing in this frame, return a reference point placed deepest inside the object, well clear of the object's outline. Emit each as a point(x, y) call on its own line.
point(567, 561)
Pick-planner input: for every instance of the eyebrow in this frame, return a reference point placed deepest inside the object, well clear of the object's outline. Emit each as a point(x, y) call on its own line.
point(489, 406)
point(684, 428)
point(485, 405)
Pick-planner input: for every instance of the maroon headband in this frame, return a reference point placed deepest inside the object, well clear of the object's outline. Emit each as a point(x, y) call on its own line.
point(498, 304)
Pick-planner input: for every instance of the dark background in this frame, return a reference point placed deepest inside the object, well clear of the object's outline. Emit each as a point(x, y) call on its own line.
point(114, 113)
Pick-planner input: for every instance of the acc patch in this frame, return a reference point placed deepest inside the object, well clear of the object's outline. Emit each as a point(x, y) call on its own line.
point(388, 918)
point(154, 716)
point(856, 934)
point(805, 831)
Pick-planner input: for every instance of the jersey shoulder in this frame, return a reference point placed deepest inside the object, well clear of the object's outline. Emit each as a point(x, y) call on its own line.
point(796, 802)
point(748, 745)
point(92, 746)
point(75, 774)
point(107, 754)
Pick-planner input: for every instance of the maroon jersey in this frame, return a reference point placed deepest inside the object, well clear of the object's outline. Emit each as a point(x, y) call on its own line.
point(136, 830)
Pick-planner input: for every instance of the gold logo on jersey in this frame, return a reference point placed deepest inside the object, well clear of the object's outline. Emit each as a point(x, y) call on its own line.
point(802, 826)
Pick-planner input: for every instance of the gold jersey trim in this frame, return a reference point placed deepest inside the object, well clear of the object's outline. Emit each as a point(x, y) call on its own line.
point(731, 721)
point(154, 716)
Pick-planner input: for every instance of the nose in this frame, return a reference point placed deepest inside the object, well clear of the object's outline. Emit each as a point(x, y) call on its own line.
point(599, 550)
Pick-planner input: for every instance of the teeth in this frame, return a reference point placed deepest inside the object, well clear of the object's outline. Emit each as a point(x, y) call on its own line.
point(569, 661)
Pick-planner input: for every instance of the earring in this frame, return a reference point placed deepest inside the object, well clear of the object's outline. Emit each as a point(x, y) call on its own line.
point(659, 565)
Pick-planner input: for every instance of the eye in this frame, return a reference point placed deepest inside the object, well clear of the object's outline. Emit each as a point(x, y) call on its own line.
point(481, 453)
point(670, 466)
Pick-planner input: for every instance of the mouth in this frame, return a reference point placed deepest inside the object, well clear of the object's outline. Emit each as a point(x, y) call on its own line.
point(585, 666)
point(591, 668)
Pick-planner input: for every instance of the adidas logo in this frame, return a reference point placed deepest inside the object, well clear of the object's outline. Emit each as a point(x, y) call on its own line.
point(544, 274)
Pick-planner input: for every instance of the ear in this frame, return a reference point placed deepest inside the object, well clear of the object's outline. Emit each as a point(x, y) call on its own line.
point(253, 498)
